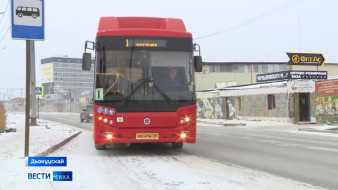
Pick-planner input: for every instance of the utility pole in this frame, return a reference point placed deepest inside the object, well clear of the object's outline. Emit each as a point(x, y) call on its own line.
point(33, 84)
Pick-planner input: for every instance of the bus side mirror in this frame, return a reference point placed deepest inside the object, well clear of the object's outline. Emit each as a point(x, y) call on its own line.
point(198, 63)
point(86, 61)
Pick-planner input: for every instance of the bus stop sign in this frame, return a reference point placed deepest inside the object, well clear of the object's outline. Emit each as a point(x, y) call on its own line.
point(28, 22)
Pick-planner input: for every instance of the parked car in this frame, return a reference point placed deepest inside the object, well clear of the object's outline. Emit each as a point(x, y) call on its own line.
point(87, 113)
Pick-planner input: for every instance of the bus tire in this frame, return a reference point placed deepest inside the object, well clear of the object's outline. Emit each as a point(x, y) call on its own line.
point(100, 147)
point(177, 145)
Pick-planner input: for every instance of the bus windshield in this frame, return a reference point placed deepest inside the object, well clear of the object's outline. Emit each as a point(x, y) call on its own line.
point(143, 74)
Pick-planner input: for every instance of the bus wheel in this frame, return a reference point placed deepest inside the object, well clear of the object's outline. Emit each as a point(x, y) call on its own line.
point(20, 15)
point(177, 144)
point(100, 147)
point(34, 15)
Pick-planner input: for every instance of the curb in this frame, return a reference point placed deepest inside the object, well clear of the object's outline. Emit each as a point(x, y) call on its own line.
point(223, 124)
point(57, 146)
point(316, 130)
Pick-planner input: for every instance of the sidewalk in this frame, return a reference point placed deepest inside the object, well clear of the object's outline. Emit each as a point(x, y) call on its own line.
point(43, 139)
point(273, 125)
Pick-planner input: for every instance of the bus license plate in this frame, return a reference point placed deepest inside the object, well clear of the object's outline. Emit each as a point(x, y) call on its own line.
point(146, 135)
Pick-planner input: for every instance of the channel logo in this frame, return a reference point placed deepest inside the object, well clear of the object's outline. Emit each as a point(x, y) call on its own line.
point(50, 176)
point(39, 176)
point(63, 176)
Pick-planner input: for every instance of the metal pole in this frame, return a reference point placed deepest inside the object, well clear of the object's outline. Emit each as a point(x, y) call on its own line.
point(38, 107)
point(27, 97)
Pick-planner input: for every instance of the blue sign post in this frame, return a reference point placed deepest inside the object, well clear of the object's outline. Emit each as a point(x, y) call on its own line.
point(28, 22)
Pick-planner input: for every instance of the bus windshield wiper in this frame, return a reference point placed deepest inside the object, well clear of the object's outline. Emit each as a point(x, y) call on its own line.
point(169, 100)
point(144, 81)
point(134, 91)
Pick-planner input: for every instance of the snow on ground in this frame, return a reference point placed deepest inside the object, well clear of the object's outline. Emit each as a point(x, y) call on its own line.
point(157, 167)
point(247, 123)
point(325, 127)
point(42, 137)
point(271, 126)
point(140, 167)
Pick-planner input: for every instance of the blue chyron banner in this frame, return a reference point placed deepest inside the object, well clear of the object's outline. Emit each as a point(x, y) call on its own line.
point(47, 161)
point(28, 19)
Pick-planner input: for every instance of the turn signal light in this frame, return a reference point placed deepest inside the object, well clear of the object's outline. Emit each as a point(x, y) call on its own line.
point(187, 119)
point(183, 135)
point(99, 118)
point(105, 120)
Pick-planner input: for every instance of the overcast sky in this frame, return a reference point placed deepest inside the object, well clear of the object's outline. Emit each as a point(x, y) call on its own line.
point(259, 30)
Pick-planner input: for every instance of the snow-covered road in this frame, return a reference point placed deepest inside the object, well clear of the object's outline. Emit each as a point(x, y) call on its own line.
point(142, 166)
point(158, 167)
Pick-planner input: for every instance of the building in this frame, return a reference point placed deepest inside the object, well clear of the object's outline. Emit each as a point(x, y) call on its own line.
point(223, 74)
point(288, 101)
point(331, 68)
point(67, 87)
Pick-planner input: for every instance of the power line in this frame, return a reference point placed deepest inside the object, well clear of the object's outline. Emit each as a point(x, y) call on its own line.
point(5, 23)
point(256, 19)
point(5, 11)
point(5, 34)
point(3, 16)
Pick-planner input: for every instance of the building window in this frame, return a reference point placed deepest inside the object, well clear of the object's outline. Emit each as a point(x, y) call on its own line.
point(238, 104)
point(271, 101)
point(265, 68)
point(215, 68)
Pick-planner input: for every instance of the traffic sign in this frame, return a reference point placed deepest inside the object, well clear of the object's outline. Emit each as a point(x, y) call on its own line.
point(39, 90)
point(28, 20)
point(313, 59)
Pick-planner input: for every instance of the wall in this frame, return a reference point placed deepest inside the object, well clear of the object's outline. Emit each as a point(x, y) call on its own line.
point(332, 69)
point(206, 81)
point(255, 107)
point(211, 108)
point(326, 98)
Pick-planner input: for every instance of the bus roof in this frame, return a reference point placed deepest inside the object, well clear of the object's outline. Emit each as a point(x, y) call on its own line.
point(142, 26)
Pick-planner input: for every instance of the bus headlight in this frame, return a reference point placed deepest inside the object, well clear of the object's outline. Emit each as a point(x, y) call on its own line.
point(109, 136)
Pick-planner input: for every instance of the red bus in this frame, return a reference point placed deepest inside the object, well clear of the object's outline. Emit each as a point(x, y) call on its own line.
point(144, 89)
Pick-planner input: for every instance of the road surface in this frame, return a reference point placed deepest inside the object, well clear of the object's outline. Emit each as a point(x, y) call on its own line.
point(306, 158)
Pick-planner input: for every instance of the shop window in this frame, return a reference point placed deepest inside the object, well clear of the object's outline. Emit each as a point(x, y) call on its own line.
point(271, 101)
